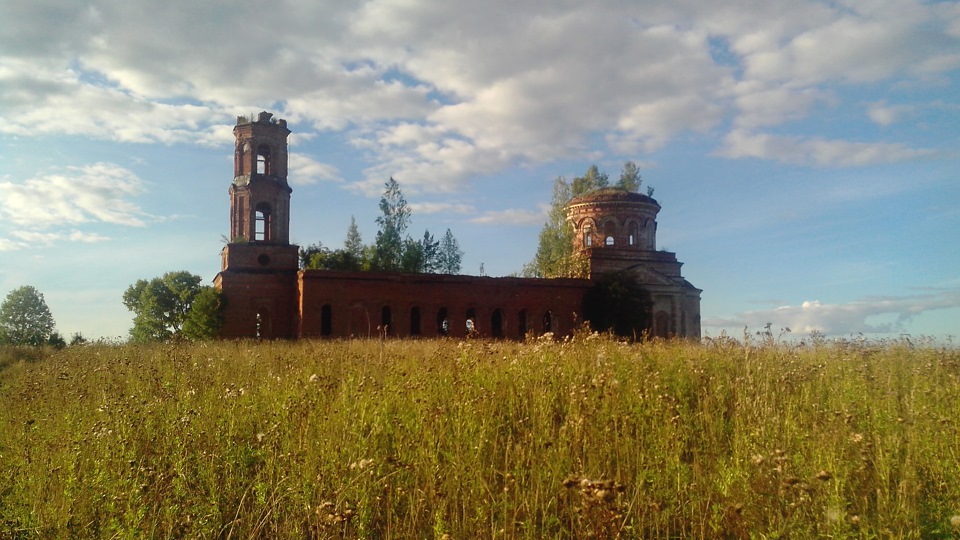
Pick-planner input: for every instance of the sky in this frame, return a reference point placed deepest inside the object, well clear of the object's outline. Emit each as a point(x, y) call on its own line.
point(806, 154)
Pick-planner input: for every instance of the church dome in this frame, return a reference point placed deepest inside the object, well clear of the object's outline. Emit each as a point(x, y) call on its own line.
point(612, 195)
point(614, 218)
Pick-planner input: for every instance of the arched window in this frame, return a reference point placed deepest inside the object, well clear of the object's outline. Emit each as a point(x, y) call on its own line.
point(262, 220)
point(326, 321)
point(496, 323)
point(588, 236)
point(263, 160)
point(609, 231)
point(548, 322)
point(634, 237)
point(472, 321)
point(414, 321)
point(443, 325)
point(386, 319)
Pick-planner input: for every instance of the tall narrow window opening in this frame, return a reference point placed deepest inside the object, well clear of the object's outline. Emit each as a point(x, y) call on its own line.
point(262, 227)
point(326, 321)
point(522, 324)
point(263, 159)
point(443, 325)
point(496, 323)
point(548, 322)
point(414, 321)
point(386, 319)
point(472, 321)
point(609, 230)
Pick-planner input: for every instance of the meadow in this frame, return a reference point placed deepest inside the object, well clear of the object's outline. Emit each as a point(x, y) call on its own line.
point(584, 438)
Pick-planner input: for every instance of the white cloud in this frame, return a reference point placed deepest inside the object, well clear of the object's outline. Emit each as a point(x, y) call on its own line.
point(49, 238)
point(884, 115)
point(98, 193)
point(841, 319)
point(816, 151)
point(304, 170)
point(441, 208)
point(761, 106)
point(440, 92)
point(513, 216)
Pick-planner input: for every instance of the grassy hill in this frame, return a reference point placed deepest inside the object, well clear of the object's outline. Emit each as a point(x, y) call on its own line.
point(476, 439)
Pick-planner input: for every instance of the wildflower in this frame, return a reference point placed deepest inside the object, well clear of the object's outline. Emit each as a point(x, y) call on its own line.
point(824, 476)
point(362, 464)
point(834, 514)
point(955, 522)
point(314, 378)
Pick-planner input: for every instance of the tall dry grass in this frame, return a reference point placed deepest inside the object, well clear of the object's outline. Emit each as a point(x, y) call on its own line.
point(588, 438)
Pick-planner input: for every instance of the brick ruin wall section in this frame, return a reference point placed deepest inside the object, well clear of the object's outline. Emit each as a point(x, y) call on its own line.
point(343, 304)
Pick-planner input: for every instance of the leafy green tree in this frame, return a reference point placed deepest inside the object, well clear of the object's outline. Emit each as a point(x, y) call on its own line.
point(393, 250)
point(630, 178)
point(161, 305)
point(591, 180)
point(307, 254)
point(354, 242)
point(204, 319)
point(430, 247)
point(555, 255)
point(77, 339)
point(412, 258)
point(449, 255)
point(25, 318)
point(56, 341)
point(340, 259)
point(393, 222)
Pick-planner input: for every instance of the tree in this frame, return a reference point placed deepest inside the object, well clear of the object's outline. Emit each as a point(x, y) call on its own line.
point(430, 247)
point(340, 260)
point(307, 254)
point(449, 255)
point(630, 178)
point(204, 319)
point(555, 256)
point(354, 243)
point(591, 180)
point(412, 258)
point(393, 250)
point(162, 305)
point(393, 222)
point(56, 341)
point(25, 318)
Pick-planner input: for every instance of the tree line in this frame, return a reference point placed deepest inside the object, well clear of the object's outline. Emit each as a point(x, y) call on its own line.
point(393, 250)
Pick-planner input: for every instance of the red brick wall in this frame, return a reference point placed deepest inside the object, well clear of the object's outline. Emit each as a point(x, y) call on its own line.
point(356, 303)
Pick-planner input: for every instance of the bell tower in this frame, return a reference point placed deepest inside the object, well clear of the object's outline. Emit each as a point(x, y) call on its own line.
point(260, 194)
point(258, 276)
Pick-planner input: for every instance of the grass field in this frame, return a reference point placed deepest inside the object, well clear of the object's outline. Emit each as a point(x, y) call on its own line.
point(588, 438)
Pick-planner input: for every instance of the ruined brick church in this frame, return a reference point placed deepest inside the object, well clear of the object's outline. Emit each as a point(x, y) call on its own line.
point(266, 294)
